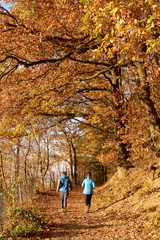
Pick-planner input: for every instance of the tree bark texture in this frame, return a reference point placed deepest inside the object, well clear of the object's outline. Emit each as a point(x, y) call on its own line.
point(144, 94)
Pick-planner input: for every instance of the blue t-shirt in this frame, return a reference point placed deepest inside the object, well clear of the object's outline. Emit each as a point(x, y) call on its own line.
point(64, 183)
point(88, 185)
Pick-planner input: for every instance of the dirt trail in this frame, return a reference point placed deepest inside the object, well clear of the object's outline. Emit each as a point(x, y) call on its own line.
point(75, 224)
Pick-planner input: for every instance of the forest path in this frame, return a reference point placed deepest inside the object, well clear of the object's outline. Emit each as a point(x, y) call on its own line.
point(75, 224)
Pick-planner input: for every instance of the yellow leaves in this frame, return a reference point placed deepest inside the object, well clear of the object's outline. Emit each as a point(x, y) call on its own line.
point(97, 31)
point(151, 26)
point(18, 130)
point(109, 5)
point(151, 18)
point(96, 52)
point(153, 45)
point(12, 127)
point(112, 32)
point(114, 10)
point(118, 26)
point(24, 11)
point(3, 128)
point(149, 1)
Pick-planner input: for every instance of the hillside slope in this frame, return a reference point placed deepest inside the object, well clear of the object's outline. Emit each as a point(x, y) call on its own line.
point(136, 196)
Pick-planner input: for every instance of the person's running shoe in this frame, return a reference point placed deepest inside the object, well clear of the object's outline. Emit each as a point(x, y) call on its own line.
point(87, 209)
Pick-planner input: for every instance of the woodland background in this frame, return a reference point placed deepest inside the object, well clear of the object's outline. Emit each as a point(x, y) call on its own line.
point(79, 85)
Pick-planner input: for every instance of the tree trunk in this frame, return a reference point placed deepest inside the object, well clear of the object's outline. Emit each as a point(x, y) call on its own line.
point(1, 173)
point(17, 164)
point(71, 160)
point(25, 163)
point(48, 160)
point(75, 164)
point(144, 95)
point(39, 162)
point(123, 153)
point(104, 172)
point(52, 180)
point(70, 147)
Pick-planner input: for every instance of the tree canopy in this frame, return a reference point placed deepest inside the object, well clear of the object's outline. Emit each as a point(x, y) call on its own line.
point(96, 62)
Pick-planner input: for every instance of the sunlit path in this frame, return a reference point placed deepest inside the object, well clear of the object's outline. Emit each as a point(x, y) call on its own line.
point(76, 224)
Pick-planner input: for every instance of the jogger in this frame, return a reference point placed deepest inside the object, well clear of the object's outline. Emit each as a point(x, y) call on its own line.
point(63, 186)
point(88, 185)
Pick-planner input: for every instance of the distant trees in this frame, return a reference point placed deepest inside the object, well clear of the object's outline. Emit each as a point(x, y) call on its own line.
point(30, 158)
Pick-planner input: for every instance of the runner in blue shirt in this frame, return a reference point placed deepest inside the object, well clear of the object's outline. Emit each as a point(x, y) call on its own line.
point(88, 185)
point(64, 183)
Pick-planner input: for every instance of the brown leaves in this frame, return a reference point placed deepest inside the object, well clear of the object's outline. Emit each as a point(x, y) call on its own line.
point(62, 65)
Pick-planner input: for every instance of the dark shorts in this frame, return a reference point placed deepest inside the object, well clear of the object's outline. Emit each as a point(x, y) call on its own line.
point(88, 199)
